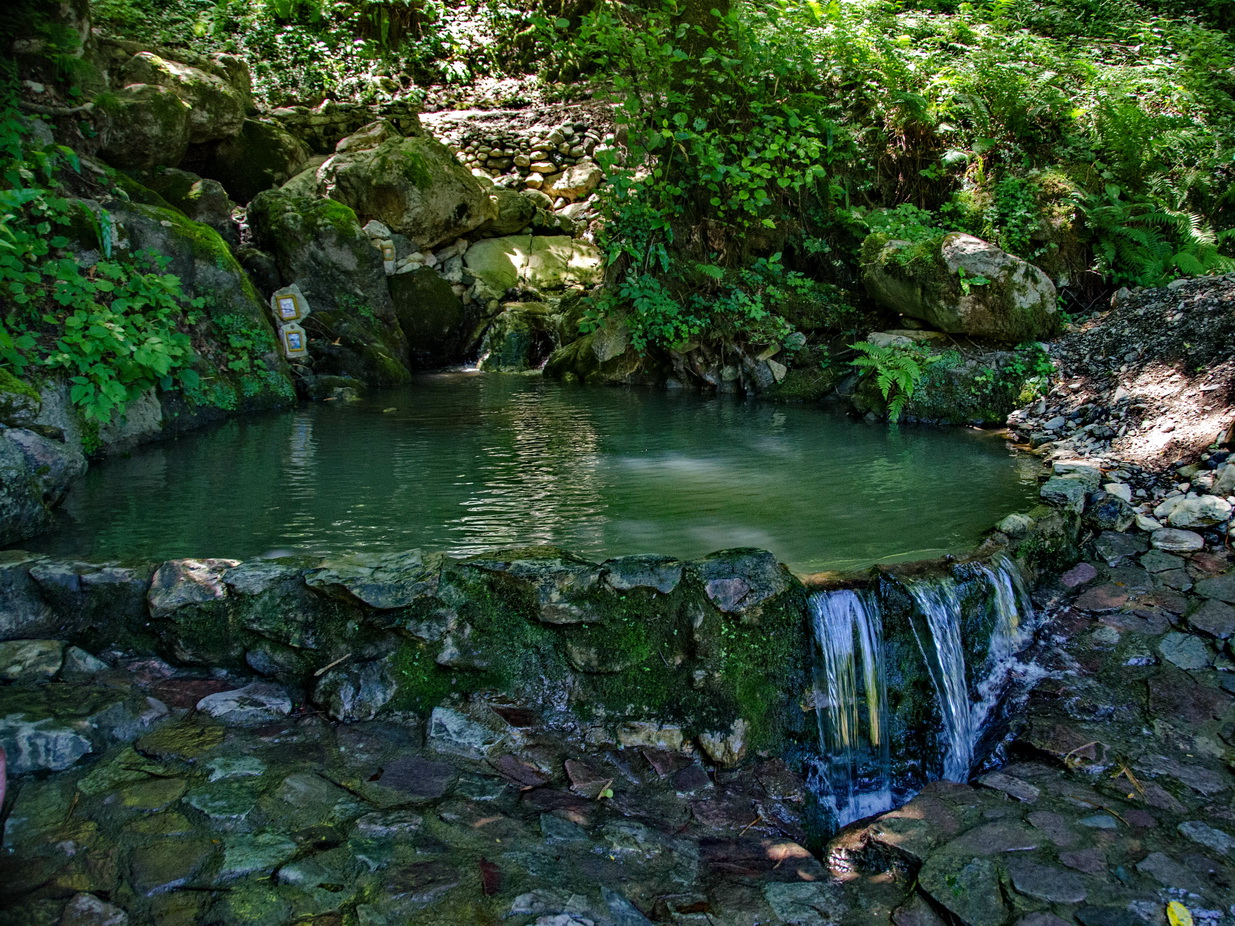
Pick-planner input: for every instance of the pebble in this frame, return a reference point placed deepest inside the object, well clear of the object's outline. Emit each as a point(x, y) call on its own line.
point(1176, 541)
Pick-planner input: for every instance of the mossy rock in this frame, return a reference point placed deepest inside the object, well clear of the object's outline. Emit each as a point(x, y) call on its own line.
point(962, 285)
point(202, 200)
point(146, 126)
point(415, 187)
point(519, 339)
point(216, 109)
point(318, 244)
point(19, 401)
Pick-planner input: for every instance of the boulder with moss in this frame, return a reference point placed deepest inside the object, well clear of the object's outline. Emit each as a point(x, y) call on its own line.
point(35, 474)
point(146, 126)
point(19, 401)
point(962, 285)
point(414, 186)
point(201, 199)
point(319, 245)
point(260, 156)
point(216, 107)
point(542, 262)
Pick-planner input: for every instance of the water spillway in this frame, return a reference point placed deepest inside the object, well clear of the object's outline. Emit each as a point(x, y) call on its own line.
point(907, 672)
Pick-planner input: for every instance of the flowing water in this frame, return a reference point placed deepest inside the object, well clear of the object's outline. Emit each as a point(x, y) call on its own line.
point(857, 773)
point(465, 463)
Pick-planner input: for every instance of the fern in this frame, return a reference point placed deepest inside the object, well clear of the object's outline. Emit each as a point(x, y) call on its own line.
point(897, 371)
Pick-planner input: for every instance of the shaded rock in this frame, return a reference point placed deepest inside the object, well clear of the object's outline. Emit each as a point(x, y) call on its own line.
point(88, 910)
point(1014, 787)
point(452, 731)
point(384, 581)
point(968, 887)
point(262, 155)
point(740, 581)
point(520, 338)
point(182, 583)
point(1214, 618)
point(1218, 588)
point(19, 402)
point(414, 186)
point(248, 853)
point(439, 328)
point(575, 182)
point(1078, 575)
point(1109, 513)
point(1176, 541)
point(625, 573)
point(168, 863)
point(1046, 882)
point(726, 748)
point(23, 512)
point(1061, 492)
point(250, 706)
point(202, 200)
point(1208, 836)
point(512, 213)
point(40, 745)
point(356, 691)
point(924, 280)
point(55, 465)
point(30, 660)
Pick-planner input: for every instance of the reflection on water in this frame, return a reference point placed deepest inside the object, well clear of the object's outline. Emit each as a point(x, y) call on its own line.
point(470, 462)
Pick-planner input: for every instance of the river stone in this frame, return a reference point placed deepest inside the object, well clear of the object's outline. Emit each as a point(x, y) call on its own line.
point(439, 328)
point(1016, 303)
point(1046, 882)
point(1061, 492)
point(182, 583)
point(45, 745)
point(1214, 618)
point(414, 186)
point(1208, 836)
point(575, 182)
point(739, 581)
point(250, 706)
point(625, 573)
point(78, 663)
point(1106, 512)
point(1176, 541)
point(968, 887)
point(30, 660)
point(1160, 561)
point(1119, 490)
point(513, 212)
point(560, 579)
point(384, 581)
point(1015, 525)
point(1090, 475)
point(23, 611)
point(1202, 511)
point(54, 464)
point(167, 864)
point(245, 854)
point(727, 748)
point(1078, 575)
point(1185, 651)
point(356, 691)
point(1220, 588)
point(451, 731)
point(226, 804)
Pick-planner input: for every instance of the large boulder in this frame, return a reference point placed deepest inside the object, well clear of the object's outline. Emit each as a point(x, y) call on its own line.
point(543, 262)
point(23, 513)
point(146, 126)
point(520, 338)
point(961, 285)
point(513, 212)
point(319, 245)
point(216, 107)
point(414, 186)
point(439, 328)
point(202, 260)
point(202, 200)
point(260, 156)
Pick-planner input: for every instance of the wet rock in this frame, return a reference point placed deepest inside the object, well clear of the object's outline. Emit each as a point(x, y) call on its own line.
point(1159, 561)
point(250, 706)
point(740, 581)
point(626, 573)
point(1046, 882)
point(226, 804)
point(180, 741)
point(1103, 598)
point(30, 660)
point(249, 853)
point(1078, 575)
point(78, 663)
point(183, 583)
point(1176, 541)
point(1208, 836)
point(1023, 791)
point(1109, 513)
point(418, 780)
point(805, 903)
point(40, 745)
point(356, 691)
point(168, 863)
point(968, 887)
point(23, 612)
point(1186, 651)
point(90, 596)
point(385, 582)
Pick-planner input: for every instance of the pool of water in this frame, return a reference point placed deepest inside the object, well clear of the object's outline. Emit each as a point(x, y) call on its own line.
point(467, 462)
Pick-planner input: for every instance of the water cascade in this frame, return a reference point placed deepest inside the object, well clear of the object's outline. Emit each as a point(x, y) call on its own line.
point(953, 636)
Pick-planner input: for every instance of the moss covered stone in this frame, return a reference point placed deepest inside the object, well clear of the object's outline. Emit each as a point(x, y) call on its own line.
point(438, 326)
point(260, 156)
point(19, 401)
point(147, 125)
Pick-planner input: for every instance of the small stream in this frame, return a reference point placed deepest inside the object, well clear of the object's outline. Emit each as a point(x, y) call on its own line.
point(465, 463)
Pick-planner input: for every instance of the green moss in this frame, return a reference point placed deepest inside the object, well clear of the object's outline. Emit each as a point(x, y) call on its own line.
point(19, 401)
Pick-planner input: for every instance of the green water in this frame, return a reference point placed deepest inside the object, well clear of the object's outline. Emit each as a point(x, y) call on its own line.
point(467, 462)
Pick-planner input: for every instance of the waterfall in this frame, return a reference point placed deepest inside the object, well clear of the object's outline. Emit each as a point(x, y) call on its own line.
point(852, 703)
point(856, 775)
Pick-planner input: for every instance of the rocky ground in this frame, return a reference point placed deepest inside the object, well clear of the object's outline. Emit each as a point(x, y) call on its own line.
point(1147, 383)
